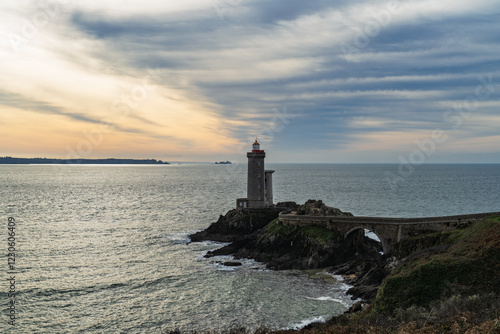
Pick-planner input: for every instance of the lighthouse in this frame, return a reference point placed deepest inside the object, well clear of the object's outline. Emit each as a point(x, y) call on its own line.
point(259, 181)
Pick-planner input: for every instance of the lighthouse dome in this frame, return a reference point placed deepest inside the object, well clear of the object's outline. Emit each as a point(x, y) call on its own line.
point(256, 146)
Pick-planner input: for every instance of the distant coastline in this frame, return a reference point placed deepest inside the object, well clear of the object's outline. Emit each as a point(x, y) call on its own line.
point(109, 161)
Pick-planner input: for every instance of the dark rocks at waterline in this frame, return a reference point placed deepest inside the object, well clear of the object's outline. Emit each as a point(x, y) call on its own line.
point(286, 247)
point(365, 276)
point(236, 224)
point(299, 251)
point(231, 264)
point(258, 235)
point(360, 263)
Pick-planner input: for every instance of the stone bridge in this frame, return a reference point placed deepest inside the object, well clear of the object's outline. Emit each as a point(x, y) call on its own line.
point(388, 230)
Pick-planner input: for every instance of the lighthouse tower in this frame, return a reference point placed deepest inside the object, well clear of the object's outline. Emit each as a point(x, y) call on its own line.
point(256, 184)
point(259, 182)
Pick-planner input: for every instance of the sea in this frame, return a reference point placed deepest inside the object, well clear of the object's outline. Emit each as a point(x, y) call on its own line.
point(105, 248)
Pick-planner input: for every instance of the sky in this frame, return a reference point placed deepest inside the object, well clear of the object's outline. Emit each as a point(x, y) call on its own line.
point(198, 80)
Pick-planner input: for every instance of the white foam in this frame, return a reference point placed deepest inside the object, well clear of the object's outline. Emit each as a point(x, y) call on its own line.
point(330, 299)
point(222, 267)
point(218, 263)
point(306, 322)
point(342, 286)
point(253, 264)
point(178, 238)
point(214, 244)
point(339, 278)
point(207, 246)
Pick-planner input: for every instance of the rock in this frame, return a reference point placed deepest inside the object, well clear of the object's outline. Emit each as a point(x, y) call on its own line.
point(288, 205)
point(236, 224)
point(318, 208)
point(356, 307)
point(232, 264)
point(282, 246)
point(365, 292)
point(365, 276)
point(227, 250)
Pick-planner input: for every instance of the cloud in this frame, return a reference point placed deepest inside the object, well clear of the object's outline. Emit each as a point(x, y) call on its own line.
point(20, 102)
point(358, 75)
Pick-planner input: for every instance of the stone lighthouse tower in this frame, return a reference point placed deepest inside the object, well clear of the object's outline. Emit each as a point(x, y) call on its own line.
point(256, 184)
point(259, 182)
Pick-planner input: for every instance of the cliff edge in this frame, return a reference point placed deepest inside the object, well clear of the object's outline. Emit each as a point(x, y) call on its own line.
point(259, 235)
point(438, 282)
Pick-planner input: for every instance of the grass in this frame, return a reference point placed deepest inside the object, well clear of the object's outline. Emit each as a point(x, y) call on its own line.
point(275, 227)
point(318, 235)
point(469, 265)
point(412, 245)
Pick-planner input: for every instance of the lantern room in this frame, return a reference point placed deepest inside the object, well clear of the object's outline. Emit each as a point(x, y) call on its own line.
point(256, 147)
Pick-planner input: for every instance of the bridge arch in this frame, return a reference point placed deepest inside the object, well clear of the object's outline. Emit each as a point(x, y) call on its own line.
point(388, 229)
point(386, 248)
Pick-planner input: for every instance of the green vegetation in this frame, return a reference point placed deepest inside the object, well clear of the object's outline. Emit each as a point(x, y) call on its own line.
point(275, 227)
point(245, 218)
point(318, 235)
point(467, 264)
point(412, 245)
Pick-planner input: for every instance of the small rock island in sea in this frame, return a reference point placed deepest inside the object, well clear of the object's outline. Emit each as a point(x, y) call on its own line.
point(427, 272)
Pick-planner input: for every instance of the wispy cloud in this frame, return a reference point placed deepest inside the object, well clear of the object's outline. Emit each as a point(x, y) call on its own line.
point(222, 67)
point(21, 102)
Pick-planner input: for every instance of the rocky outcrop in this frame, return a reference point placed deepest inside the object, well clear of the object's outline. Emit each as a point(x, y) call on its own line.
point(365, 275)
point(259, 235)
point(292, 247)
point(318, 208)
point(456, 272)
point(288, 205)
point(236, 225)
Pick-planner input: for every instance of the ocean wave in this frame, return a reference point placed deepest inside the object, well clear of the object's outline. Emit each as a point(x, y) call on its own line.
point(222, 267)
point(207, 246)
point(160, 281)
point(69, 291)
point(306, 322)
point(329, 299)
point(342, 286)
point(178, 238)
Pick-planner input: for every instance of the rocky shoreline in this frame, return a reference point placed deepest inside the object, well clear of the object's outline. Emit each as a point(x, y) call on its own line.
point(437, 281)
point(259, 235)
